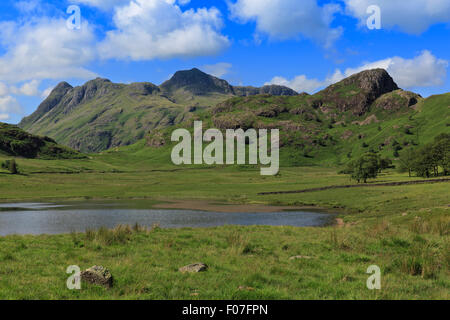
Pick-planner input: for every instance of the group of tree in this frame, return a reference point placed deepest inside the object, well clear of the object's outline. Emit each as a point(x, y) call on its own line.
point(367, 167)
point(11, 166)
point(430, 159)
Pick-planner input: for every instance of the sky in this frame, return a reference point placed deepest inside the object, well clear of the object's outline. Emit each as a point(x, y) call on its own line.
point(306, 45)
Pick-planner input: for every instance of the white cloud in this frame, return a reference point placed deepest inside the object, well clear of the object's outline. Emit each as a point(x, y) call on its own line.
point(3, 89)
point(149, 29)
point(4, 116)
point(424, 70)
point(9, 104)
point(413, 16)
point(283, 19)
point(299, 83)
point(30, 88)
point(45, 49)
point(218, 70)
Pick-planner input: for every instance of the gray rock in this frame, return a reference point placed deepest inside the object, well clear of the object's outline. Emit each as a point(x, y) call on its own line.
point(299, 257)
point(98, 275)
point(195, 267)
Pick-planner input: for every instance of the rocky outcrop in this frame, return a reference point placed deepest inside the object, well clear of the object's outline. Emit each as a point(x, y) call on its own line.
point(397, 100)
point(357, 92)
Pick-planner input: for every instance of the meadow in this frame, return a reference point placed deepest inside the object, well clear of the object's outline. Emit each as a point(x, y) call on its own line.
point(402, 229)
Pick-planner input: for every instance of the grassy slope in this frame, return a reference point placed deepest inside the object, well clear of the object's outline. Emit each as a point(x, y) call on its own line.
point(318, 141)
point(16, 142)
point(403, 229)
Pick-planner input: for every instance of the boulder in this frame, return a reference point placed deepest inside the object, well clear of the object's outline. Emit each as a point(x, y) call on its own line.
point(98, 275)
point(195, 267)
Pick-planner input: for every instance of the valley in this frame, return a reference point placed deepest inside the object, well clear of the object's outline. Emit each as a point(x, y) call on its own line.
point(390, 221)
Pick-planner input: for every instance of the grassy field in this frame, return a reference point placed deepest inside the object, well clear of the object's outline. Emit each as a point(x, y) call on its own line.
point(402, 229)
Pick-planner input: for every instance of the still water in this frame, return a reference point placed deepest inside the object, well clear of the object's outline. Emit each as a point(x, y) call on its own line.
point(53, 218)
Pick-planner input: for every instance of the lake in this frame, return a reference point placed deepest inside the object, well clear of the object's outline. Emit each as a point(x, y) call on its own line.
point(56, 218)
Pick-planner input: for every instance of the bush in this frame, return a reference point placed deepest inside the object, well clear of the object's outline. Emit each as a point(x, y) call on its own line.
point(11, 166)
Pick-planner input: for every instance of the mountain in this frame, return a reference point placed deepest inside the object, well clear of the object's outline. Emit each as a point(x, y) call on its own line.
point(100, 114)
point(16, 142)
point(366, 111)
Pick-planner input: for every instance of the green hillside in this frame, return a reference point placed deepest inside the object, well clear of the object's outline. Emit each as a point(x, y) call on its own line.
point(16, 142)
point(332, 126)
point(100, 114)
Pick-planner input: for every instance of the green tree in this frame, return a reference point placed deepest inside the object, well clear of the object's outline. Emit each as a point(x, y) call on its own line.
point(425, 162)
point(441, 152)
point(384, 163)
point(366, 167)
point(11, 166)
point(407, 161)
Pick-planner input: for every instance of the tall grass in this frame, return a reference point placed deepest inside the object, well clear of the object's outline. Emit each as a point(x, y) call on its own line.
point(118, 235)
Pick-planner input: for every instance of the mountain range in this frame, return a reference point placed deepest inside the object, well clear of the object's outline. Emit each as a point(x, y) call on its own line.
point(100, 114)
point(366, 111)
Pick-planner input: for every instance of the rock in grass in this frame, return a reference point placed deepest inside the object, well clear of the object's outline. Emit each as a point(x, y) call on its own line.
point(299, 257)
point(98, 275)
point(196, 267)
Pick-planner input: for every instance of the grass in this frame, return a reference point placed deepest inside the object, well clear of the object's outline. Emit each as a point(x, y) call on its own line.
point(402, 229)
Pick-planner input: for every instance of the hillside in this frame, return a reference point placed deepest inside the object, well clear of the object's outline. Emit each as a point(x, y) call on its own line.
point(16, 142)
point(100, 114)
point(364, 112)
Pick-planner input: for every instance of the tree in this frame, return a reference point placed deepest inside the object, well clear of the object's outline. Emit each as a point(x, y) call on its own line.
point(441, 152)
point(365, 167)
point(424, 163)
point(11, 166)
point(407, 160)
point(384, 163)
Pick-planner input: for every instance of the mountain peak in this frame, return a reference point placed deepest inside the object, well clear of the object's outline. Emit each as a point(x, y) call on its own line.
point(62, 86)
point(359, 91)
point(197, 82)
point(378, 80)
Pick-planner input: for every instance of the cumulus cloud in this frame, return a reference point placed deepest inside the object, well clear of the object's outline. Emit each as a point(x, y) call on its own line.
point(9, 104)
point(3, 89)
point(424, 70)
point(413, 16)
point(45, 49)
point(284, 19)
point(218, 70)
point(299, 83)
point(30, 88)
point(149, 29)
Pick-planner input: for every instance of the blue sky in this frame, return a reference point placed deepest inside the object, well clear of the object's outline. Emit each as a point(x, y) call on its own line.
point(306, 44)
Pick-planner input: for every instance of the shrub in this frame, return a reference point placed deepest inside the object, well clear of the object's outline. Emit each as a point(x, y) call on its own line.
point(11, 166)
